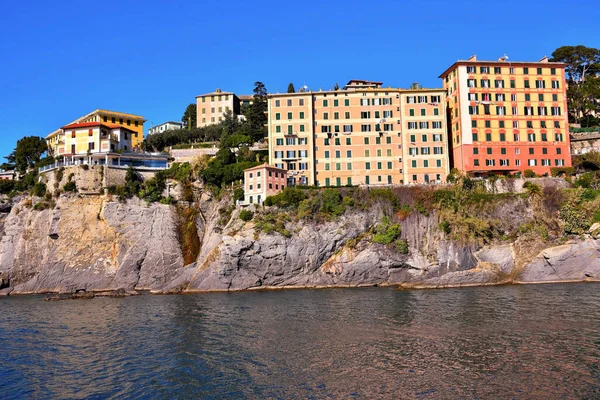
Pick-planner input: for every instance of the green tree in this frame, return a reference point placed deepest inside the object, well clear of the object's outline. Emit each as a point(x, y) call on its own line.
point(256, 117)
point(28, 152)
point(336, 86)
point(189, 116)
point(7, 167)
point(291, 88)
point(583, 65)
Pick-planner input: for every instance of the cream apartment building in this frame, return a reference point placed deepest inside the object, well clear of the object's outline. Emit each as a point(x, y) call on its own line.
point(363, 134)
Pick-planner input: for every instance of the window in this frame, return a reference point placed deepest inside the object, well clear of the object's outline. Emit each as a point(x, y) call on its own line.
point(472, 83)
point(476, 163)
point(488, 124)
point(336, 115)
point(337, 154)
point(490, 163)
point(513, 97)
point(367, 165)
point(289, 115)
point(555, 85)
point(348, 141)
point(423, 112)
point(525, 71)
point(540, 84)
point(337, 141)
point(413, 163)
point(555, 110)
point(558, 137)
point(485, 70)
point(301, 102)
point(557, 124)
point(470, 69)
point(489, 150)
point(475, 138)
point(475, 151)
point(516, 137)
point(412, 125)
point(499, 83)
point(325, 104)
point(347, 102)
point(347, 115)
point(488, 137)
point(503, 137)
point(531, 137)
point(424, 137)
point(497, 70)
point(513, 84)
point(326, 153)
point(526, 83)
point(335, 103)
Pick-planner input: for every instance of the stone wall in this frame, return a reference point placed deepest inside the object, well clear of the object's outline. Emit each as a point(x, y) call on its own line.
point(515, 185)
point(585, 142)
point(89, 179)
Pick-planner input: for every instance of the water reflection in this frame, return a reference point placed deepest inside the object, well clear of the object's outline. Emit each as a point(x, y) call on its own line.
point(508, 342)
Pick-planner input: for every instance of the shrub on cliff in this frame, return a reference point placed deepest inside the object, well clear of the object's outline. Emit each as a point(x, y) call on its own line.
point(246, 215)
point(386, 232)
point(288, 197)
point(39, 190)
point(6, 186)
point(70, 187)
point(331, 202)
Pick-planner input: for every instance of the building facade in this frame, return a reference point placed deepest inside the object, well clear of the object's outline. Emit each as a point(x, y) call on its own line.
point(360, 135)
point(7, 175)
point(131, 122)
point(92, 137)
point(263, 181)
point(211, 107)
point(506, 117)
point(165, 126)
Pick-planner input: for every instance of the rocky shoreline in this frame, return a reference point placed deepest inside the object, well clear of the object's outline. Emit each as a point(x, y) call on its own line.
point(96, 245)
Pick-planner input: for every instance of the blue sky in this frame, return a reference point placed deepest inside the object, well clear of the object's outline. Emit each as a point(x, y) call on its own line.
point(63, 59)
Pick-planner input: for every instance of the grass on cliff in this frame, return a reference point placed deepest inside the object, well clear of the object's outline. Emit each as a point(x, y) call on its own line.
point(466, 210)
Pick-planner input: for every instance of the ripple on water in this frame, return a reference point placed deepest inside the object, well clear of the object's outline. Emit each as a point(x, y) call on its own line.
point(509, 342)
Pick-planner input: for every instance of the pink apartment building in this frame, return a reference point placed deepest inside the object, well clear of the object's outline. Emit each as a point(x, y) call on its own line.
point(262, 181)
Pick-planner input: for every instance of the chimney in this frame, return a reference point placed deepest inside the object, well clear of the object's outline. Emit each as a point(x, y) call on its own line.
point(414, 86)
point(544, 59)
point(472, 58)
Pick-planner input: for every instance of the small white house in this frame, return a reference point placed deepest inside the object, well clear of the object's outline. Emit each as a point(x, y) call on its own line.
point(165, 126)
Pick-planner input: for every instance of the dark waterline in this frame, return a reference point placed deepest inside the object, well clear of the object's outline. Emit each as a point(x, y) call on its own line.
point(539, 341)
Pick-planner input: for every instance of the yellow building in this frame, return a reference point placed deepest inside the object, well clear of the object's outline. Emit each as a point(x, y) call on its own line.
point(131, 122)
point(507, 116)
point(360, 135)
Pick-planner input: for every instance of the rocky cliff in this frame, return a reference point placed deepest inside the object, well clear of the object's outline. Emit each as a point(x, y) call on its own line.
point(94, 243)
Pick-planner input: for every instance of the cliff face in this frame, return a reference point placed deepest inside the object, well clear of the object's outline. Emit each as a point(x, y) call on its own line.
point(94, 244)
point(87, 243)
